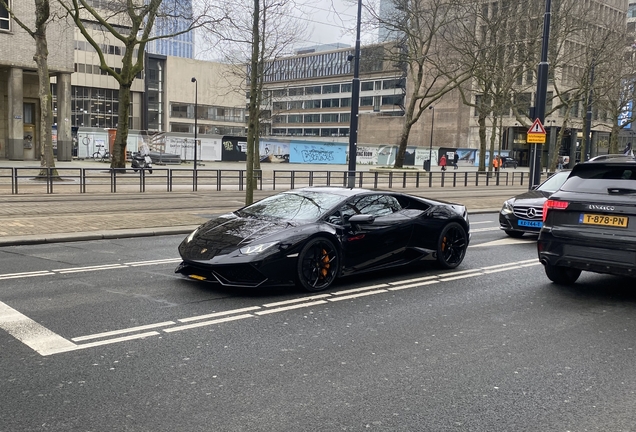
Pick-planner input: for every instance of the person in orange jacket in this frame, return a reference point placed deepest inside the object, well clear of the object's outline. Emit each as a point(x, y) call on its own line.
point(496, 163)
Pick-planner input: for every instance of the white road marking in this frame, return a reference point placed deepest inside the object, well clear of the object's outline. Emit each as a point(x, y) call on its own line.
point(482, 222)
point(401, 287)
point(118, 332)
point(446, 279)
point(352, 296)
point(206, 323)
point(500, 242)
point(484, 229)
point(297, 300)
point(25, 275)
point(218, 314)
point(425, 278)
point(355, 290)
point(45, 342)
point(35, 336)
point(502, 269)
point(286, 308)
point(110, 341)
point(89, 268)
point(154, 262)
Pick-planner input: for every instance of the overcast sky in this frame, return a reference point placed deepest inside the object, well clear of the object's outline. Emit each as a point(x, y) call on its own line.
point(331, 21)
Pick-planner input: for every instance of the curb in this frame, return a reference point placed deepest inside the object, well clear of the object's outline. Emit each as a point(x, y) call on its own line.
point(96, 235)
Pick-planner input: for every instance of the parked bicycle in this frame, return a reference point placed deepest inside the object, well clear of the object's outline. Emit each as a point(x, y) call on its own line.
point(101, 155)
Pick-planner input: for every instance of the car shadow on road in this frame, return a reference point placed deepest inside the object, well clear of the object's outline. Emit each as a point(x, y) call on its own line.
point(599, 287)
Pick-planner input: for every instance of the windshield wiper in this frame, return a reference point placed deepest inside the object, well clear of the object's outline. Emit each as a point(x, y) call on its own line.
point(621, 191)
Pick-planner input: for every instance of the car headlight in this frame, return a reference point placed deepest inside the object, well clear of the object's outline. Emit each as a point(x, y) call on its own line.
point(191, 236)
point(507, 207)
point(256, 249)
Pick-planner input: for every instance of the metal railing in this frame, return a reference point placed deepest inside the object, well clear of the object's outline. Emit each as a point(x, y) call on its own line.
point(86, 180)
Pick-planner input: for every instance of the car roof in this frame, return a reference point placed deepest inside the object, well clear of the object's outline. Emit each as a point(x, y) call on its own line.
point(337, 190)
point(612, 158)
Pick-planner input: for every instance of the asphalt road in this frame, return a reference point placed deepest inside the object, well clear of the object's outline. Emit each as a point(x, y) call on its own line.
point(103, 336)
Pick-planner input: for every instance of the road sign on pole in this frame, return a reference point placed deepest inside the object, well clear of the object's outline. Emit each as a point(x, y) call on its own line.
point(536, 133)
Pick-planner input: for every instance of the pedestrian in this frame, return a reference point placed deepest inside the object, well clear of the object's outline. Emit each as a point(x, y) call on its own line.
point(495, 163)
point(628, 150)
point(455, 159)
point(560, 164)
point(442, 162)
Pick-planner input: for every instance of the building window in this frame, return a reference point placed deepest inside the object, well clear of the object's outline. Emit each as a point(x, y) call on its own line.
point(311, 132)
point(345, 88)
point(334, 88)
point(393, 100)
point(5, 23)
point(366, 101)
point(312, 118)
point(330, 118)
point(179, 110)
point(366, 86)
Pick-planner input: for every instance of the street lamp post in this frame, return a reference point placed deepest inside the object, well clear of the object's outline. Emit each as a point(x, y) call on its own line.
point(430, 148)
point(541, 95)
point(355, 102)
point(196, 108)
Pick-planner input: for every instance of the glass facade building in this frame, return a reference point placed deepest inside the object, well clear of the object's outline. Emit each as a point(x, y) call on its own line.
point(174, 18)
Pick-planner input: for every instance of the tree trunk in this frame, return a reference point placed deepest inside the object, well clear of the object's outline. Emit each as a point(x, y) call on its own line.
point(252, 126)
point(45, 148)
point(493, 135)
point(482, 141)
point(118, 155)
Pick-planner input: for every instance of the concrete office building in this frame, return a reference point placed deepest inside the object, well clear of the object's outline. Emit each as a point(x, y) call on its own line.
point(20, 107)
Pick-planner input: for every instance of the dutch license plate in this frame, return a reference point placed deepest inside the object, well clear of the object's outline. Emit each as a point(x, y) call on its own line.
point(531, 224)
point(604, 220)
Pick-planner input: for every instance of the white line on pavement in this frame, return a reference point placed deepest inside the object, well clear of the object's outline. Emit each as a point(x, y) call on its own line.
point(286, 308)
point(218, 314)
point(25, 275)
point(35, 336)
point(352, 296)
point(89, 268)
point(206, 323)
point(45, 342)
point(117, 332)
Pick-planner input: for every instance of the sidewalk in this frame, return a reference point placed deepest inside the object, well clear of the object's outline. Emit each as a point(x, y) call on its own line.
point(48, 218)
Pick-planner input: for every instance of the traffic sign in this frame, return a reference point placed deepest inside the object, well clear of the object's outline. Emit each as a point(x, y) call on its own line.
point(536, 133)
point(537, 128)
point(535, 138)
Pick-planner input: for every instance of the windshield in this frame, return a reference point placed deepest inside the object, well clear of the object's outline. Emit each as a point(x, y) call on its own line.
point(305, 206)
point(554, 183)
point(602, 178)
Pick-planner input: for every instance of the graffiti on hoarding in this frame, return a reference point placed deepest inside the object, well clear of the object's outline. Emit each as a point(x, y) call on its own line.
point(314, 156)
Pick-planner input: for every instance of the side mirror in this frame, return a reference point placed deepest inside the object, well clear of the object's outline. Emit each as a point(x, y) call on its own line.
point(361, 219)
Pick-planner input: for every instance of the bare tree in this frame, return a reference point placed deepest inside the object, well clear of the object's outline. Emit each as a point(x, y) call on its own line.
point(254, 37)
point(131, 22)
point(423, 30)
point(501, 49)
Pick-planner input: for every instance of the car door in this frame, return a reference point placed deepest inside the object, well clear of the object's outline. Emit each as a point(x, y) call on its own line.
point(379, 243)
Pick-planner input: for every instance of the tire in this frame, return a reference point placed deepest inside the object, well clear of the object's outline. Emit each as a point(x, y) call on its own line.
point(514, 234)
point(562, 275)
point(318, 265)
point(451, 246)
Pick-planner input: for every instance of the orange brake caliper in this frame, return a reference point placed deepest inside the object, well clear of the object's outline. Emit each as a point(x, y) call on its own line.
point(325, 264)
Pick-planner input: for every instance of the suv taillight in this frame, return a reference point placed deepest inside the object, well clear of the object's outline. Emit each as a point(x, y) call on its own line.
point(553, 205)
